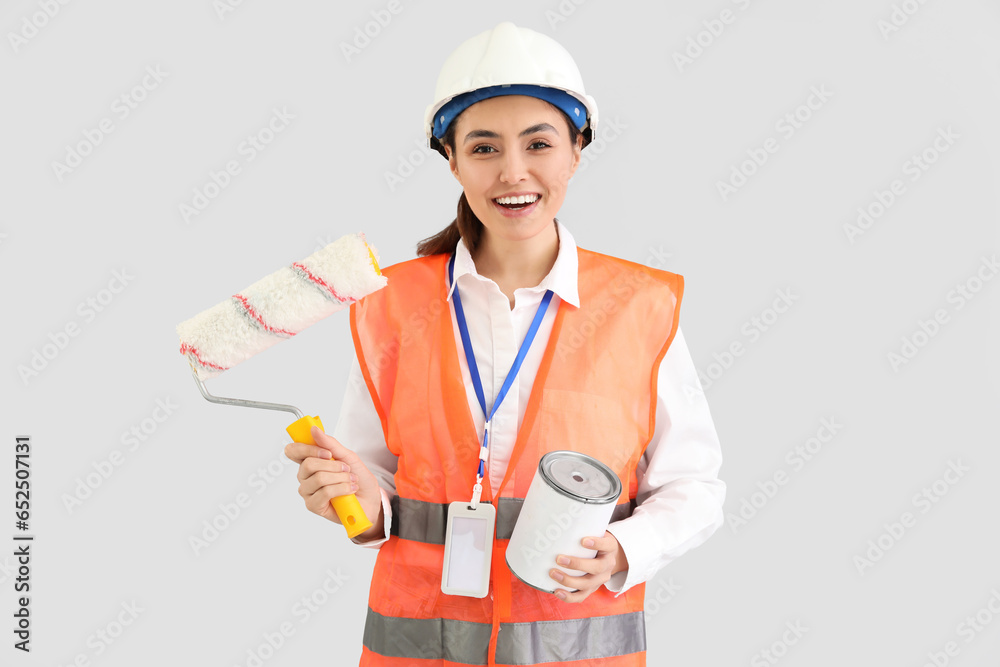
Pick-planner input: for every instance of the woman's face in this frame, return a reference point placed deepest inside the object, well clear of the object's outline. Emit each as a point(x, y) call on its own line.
point(514, 145)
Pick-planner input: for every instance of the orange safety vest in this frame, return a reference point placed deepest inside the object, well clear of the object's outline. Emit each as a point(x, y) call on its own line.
point(594, 393)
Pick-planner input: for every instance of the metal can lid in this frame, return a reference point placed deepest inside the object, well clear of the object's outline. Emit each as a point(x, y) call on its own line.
point(580, 477)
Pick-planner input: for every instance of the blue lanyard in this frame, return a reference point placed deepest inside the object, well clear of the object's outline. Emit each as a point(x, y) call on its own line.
point(477, 383)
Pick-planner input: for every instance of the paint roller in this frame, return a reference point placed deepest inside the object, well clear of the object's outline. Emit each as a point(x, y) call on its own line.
point(273, 309)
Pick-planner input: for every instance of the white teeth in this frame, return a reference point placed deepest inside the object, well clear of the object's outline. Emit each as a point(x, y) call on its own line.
point(522, 199)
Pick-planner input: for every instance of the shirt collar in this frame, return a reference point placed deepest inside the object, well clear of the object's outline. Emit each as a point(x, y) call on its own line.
point(561, 279)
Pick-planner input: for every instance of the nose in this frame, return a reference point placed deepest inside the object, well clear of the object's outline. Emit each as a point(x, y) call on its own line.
point(514, 167)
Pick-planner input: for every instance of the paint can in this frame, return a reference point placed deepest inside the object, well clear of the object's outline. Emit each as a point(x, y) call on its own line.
point(571, 496)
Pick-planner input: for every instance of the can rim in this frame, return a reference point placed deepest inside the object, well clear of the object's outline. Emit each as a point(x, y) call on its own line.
point(616, 484)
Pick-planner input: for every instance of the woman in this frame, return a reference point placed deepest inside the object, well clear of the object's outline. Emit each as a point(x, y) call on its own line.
point(601, 341)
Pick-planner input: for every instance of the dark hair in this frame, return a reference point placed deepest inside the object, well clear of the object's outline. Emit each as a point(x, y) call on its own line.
point(466, 225)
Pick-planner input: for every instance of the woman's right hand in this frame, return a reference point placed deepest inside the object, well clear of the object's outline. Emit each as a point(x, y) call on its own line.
point(328, 470)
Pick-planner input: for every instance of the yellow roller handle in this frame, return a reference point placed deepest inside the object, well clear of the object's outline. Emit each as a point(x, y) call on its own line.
point(347, 507)
point(374, 261)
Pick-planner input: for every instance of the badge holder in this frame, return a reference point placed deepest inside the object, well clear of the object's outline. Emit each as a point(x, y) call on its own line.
point(468, 547)
point(468, 540)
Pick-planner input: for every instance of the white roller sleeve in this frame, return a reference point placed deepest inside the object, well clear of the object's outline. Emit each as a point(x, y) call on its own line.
point(279, 306)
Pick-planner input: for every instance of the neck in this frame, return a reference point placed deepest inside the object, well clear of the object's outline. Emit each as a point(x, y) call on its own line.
point(517, 263)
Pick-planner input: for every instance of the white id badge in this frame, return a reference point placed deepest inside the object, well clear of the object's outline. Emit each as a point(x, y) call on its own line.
point(468, 549)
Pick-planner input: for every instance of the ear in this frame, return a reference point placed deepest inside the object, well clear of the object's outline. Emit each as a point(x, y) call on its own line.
point(577, 149)
point(452, 163)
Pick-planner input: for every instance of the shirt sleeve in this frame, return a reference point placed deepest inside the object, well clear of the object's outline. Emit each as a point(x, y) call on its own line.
point(359, 428)
point(680, 495)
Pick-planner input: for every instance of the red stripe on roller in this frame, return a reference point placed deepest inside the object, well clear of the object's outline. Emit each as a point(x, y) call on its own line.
point(258, 319)
point(190, 350)
point(322, 283)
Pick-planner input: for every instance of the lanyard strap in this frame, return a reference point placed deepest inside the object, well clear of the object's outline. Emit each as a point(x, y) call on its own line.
point(477, 383)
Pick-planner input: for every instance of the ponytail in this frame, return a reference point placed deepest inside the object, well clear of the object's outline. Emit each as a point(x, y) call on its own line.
point(465, 226)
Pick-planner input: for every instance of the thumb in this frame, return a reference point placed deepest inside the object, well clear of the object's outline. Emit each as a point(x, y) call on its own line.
point(340, 453)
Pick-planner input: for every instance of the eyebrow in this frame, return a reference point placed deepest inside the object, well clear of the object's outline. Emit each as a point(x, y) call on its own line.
point(490, 134)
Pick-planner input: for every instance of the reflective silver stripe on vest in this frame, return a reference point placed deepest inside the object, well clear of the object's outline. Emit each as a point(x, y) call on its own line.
point(574, 639)
point(427, 639)
point(418, 521)
point(517, 644)
point(507, 513)
point(426, 522)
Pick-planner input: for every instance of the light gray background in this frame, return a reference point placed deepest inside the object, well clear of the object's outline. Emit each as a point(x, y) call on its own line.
point(650, 196)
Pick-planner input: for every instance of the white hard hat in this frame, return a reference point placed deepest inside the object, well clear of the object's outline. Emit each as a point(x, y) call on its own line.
point(508, 60)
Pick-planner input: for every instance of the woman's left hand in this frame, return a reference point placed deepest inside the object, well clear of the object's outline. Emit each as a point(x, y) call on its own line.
point(610, 559)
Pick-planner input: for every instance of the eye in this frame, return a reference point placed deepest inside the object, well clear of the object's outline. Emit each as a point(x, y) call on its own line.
point(486, 148)
point(540, 143)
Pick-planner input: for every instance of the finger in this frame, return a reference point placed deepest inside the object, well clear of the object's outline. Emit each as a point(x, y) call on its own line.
point(575, 596)
point(588, 565)
point(339, 483)
point(583, 582)
point(312, 465)
point(298, 452)
point(319, 503)
point(604, 544)
point(340, 453)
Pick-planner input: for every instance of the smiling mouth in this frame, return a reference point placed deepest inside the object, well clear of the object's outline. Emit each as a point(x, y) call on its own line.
point(517, 203)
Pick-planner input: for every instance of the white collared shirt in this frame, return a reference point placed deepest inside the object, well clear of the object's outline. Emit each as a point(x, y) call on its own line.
point(680, 495)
